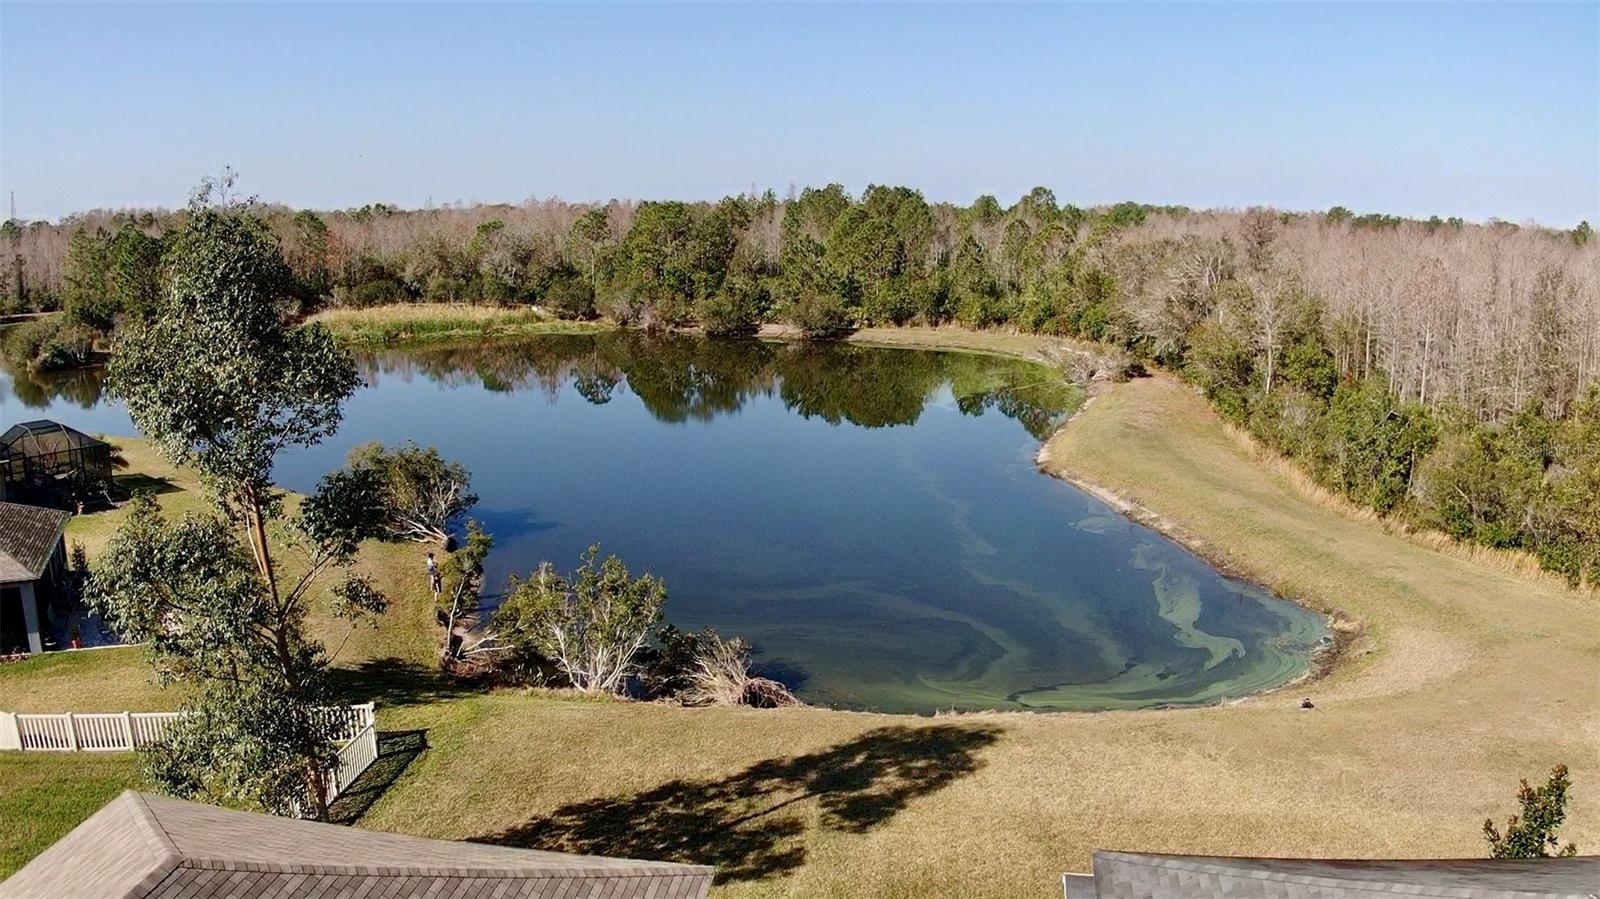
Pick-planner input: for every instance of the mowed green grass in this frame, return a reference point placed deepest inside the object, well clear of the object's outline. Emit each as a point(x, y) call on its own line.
point(43, 795)
point(1466, 677)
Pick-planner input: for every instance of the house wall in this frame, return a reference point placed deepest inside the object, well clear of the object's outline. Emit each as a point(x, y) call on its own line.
point(13, 630)
point(33, 600)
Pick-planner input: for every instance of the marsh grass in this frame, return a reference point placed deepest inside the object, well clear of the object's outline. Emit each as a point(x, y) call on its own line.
point(431, 322)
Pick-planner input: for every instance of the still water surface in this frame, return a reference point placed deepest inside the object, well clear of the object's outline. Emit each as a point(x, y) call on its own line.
point(871, 519)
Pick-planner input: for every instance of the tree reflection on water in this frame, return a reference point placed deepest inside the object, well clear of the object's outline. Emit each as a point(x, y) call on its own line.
point(685, 378)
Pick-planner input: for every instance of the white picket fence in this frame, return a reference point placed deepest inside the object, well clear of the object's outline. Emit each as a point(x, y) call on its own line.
point(355, 756)
point(127, 731)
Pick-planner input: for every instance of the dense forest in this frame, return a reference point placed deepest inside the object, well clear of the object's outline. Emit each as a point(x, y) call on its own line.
point(1441, 371)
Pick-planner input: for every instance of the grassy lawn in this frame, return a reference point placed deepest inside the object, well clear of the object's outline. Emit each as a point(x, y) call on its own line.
point(1465, 677)
point(1035, 347)
point(45, 794)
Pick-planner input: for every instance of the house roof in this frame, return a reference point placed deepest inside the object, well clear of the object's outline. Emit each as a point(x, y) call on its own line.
point(28, 535)
point(43, 436)
point(149, 847)
point(1138, 875)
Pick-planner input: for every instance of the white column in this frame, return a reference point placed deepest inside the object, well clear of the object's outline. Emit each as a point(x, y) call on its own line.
point(10, 737)
point(30, 617)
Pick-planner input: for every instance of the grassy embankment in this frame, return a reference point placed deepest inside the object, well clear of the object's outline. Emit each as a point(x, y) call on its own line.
point(1468, 676)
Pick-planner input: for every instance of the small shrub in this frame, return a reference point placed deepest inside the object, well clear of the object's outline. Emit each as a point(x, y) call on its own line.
point(50, 345)
point(570, 298)
point(1533, 833)
point(733, 311)
point(591, 626)
point(821, 316)
point(666, 665)
point(721, 676)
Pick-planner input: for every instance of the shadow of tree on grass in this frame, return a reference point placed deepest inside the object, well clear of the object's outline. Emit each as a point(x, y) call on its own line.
point(129, 485)
point(391, 682)
point(745, 824)
point(396, 751)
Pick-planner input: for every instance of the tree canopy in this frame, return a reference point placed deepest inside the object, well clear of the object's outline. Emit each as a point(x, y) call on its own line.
point(220, 380)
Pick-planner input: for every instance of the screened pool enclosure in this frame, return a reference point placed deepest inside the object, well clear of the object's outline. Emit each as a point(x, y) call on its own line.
point(47, 463)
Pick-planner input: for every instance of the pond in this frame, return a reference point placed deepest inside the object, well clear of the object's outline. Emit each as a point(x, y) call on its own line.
point(871, 519)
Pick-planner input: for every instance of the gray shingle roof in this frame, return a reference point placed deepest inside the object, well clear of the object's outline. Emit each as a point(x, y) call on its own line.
point(28, 536)
point(148, 847)
point(1137, 875)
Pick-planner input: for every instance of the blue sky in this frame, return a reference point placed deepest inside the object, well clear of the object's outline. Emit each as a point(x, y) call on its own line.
point(1472, 109)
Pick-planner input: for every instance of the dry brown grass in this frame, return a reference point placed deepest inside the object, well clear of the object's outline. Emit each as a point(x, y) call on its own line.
point(996, 342)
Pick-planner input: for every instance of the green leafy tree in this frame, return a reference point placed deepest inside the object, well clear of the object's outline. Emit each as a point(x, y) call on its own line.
point(986, 209)
point(190, 591)
point(715, 243)
point(979, 299)
point(591, 626)
point(912, 220)
point(587, 242)
point(86, 294)
point(569, 294)
point(807, 296)
point(1220, 362)
point(307, 250)
point(1370, 444)
point(1309, 365)
point(462, 579)
point(813, 213)
point(1487, 483)
point(49, 344)
point(736, 308)
point(134, 259)
point(422, 495)
point(1573, 547)
point(656, 260)
point(219, 381)
point(1532, 832)
point(111, 276)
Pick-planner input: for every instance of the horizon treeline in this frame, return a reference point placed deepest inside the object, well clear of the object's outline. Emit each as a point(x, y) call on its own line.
point(1436, 369)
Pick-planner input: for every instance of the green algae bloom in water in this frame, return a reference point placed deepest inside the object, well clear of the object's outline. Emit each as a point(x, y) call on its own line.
point(871, 519)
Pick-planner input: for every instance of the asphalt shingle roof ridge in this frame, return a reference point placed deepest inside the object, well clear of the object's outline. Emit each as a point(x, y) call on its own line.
point(207, 858)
